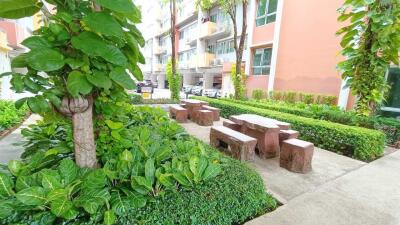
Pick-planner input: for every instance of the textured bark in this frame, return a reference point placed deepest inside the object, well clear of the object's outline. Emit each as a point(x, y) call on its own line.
point(81, 111)
point(85, 148)
point(173, 32)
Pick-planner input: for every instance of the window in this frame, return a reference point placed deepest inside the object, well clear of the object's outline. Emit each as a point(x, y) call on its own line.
point(225, 47)
point(213, 18)
point(262, 61)
point(181, 34)
point(393, 80)
point(266, 12)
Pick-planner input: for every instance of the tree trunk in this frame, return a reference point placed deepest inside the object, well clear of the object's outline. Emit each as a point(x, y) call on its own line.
point(173, 31)
point(85, 148)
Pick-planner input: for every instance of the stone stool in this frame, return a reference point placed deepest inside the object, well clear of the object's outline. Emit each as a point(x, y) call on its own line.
point(232, 125)
point(287, 134)
point(178, 113)
point(203, 117)
point(296, 155)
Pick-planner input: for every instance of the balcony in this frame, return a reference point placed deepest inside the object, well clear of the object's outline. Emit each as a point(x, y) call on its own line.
point(205, 60)
point(191, 41)
point(158, 67)
point(211, 30)
point(3, 41)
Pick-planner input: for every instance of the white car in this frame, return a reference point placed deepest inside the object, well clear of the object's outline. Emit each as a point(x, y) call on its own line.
point(212, 93)
point(197, 90)
point(187, 89)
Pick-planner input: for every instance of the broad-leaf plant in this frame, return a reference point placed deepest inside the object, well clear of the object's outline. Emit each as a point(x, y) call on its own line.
point(87, 48)
point(371, 43)
point(94, 158)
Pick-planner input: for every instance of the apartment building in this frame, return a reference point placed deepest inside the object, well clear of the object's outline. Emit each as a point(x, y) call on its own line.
point(290, 46)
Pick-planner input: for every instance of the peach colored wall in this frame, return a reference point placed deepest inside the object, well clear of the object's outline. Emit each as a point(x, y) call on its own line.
point(263, 34)
point(308, 48)
point(256, 82)
point(10, 29)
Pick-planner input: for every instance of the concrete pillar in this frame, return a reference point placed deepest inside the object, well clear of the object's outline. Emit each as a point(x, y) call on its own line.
point(161, 80)
point(208, 80)
point(188, 79)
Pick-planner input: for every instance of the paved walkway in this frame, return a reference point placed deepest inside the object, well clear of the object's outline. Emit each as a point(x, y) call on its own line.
point(339, 190)
point(11, 145)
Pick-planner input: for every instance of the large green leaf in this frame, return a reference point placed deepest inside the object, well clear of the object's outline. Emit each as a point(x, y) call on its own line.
point(149, 170)
point(100, 79)
point(121, 77)
point(60, 207)
point(93, 45)
point(14, 9)
point(45, 59)
point(78, 84)
point(57, 194)
point(92, 200)
point(34, 196)
point(120, 204)
point(24, 182)
point(197, 166)
point(103, 23)
point(36, 42)
point(68, 171)
point(20, 61)
point(114, 125)
point(166, 180)
point(142, 182)
point(6, 185)
point(50, 181)
point(6, 208)
point(212, 171)
point(126, 156)
point(121, 6)
point(96, 179)
point(38, 104)
point(109, 217)
point(15, 167)
point(44, 218)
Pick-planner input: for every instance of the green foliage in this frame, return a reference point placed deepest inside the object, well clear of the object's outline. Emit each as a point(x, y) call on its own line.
point(174, 81)
point(143, 156)
point(239, 82)
point(307, 98)
point(83, 51)
point(10, 115)
point(370, 44)
point(389, 126)
point(258, 94)
point(136, 98)
point(360, 143)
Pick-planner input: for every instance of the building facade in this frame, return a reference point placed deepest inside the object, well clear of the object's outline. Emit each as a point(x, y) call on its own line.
point(290, 46)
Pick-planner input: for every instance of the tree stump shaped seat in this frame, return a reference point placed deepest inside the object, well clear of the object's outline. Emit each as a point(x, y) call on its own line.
point(178, 113)
point(287, 134)
point(232, 125)
point(215, 111)
point(233, 143)
point(203, 117)
point(296, 155)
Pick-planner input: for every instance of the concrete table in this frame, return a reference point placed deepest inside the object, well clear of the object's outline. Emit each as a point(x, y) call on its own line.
point(193, 105)
point(265, 130)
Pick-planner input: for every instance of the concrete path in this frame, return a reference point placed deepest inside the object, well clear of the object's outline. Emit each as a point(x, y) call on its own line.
point(339, 190)
point(11, 145)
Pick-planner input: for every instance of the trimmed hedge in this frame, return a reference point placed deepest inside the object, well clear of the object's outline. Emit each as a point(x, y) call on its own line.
point(389, 126)
point(360, 143)
point(11, 116)
point(226, 201)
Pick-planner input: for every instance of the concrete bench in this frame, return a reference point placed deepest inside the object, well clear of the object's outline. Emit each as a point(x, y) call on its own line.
point(214, 110)
point(183, 105)
point(178, 113)
point(296, 155)
point(233, 143)
point(287, 134)
point(203, 117)
point(232, 125)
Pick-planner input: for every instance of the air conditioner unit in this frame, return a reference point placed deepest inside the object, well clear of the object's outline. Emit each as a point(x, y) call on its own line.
point(218, 62)
point(212, 62)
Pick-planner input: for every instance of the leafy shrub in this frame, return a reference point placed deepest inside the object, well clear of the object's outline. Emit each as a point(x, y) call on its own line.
point(292, 97)
point(10, 115)
point(136, 98)
point(389, 126)
point(360, 143)
point(258, 94)
point(160, 101)
point(174, 81)
point(145, 158)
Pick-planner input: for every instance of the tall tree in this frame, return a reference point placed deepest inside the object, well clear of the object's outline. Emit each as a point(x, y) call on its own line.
point(173, 76)
point(371, 42)
point(230, 7)
point(85, 50)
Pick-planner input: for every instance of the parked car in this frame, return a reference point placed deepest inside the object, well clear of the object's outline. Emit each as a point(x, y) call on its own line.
point(145, 83)
point(197, 89)
point(187, 89)
point(214, 92)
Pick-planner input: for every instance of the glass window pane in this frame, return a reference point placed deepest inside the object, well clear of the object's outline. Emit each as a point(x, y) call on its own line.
point(267, 57)
point(261, 8)
point(257, 71)
point(271, 18)
point(260, 21)
point(393, 80)
point(272, 5)
point(257, 60)
point(265, 70)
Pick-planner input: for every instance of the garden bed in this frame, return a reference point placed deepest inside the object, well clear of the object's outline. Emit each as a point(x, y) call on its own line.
point(10, 117)
point(356, 142)
point(189, 179)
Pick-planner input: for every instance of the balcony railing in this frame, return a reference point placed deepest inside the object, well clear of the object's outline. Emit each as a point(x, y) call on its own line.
point(210, 30)
point(205, 59)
